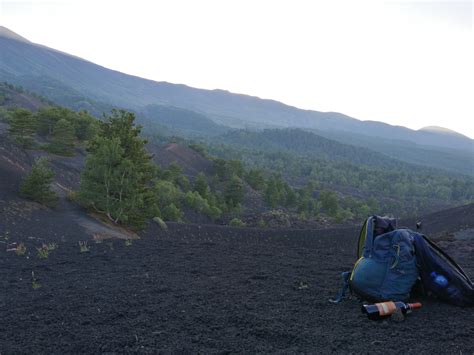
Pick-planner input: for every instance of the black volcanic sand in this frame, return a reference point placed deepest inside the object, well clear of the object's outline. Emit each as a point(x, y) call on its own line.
point(205, 289)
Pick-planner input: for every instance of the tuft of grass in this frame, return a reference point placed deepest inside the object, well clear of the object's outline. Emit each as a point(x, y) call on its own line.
point(20, 249)
point(83, 247)
point(128, 242)
point(52, 246)
point(71, 196)
point(43, 252)
point(34, 282)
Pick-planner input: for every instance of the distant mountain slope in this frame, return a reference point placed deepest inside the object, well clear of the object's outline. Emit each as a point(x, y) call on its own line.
point(25, 63)
point(184, 122)
point(453, 160)
point(308, 144)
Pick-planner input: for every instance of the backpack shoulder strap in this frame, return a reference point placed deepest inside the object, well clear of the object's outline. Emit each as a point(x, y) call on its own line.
point(366, 237)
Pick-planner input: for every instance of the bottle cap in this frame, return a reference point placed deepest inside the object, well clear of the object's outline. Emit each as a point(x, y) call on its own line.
point(415, 305)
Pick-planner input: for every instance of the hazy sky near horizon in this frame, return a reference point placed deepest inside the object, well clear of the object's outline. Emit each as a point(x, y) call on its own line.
point(406, 63)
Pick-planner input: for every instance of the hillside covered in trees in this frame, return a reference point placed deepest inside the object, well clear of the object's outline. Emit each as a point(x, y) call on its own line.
point(259, 178)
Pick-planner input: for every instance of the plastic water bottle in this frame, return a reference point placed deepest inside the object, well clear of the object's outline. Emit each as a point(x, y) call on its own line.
point(440, 280)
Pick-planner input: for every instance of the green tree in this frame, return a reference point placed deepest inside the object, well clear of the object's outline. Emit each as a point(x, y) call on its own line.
point(220, 167)
point(171, 213)
point(116, 178)
point(255, 179)
point(234, 192)
point(201, 186)
point(23, 127)
point(85, 126)
point(329, 202)
point(47, 118)
point(167, 193)
point(172, 172)
point(37, 185)
point(62, 138)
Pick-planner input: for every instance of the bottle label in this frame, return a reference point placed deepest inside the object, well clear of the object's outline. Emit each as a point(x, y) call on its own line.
point(386, 308)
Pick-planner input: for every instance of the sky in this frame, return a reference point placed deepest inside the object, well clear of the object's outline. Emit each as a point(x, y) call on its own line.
point(406, 63)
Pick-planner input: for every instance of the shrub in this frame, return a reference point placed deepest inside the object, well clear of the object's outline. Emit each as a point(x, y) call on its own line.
point(43, 252)
point(195, 201)
point(20, 249)
point(214, 212)
point(171, 213)
point(235, 222)
point(167, 193)
point(37, 185)
point(71, 196)
point(23, 127)
point(62, 139)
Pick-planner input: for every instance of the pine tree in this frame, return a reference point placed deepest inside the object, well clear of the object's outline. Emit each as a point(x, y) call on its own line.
point(200, 185)
point(37, 185)
point(329, 202)
point(62, 138)
point(85, 126)
point(234, 192)
point(118, 171)
point(22, 127)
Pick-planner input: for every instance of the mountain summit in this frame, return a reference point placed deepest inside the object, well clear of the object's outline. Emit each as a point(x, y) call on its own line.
point(441, 130)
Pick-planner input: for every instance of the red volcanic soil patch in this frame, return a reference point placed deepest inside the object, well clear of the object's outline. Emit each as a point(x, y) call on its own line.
point(191, 161)
point(205, 289)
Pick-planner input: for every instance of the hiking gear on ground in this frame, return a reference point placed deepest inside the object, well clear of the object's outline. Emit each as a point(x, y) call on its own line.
point(393, 262)
point(386, 268)
point(434, 265)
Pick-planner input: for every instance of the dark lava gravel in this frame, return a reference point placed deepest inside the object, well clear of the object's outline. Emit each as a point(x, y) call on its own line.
point(205, 289)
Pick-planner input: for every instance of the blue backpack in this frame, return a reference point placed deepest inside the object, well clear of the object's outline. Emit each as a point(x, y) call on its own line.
point(386, 268)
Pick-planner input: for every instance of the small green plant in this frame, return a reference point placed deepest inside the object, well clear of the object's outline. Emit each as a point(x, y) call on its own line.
point(235, 222)
point(71, 196)
point(52, 246)
point(83, 247)
point(20, 249)
point(34, 282)
point(43, 252)
point(128, 242)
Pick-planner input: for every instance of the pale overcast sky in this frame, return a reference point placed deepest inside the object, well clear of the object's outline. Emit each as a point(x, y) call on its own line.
point(402, 62)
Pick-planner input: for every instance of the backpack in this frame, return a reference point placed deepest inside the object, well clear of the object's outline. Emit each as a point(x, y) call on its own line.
point(386, 268)
point(391, 261)
point(458, 289)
